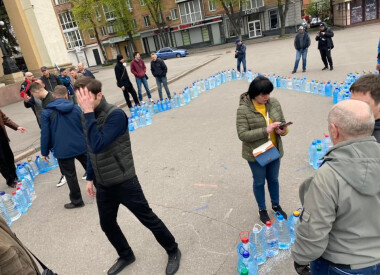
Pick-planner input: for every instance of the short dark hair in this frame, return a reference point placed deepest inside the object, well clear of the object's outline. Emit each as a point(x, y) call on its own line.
point(72, 69)
point(35, 86)
point(81, 83)
point(369, 83)
point(94, 86)
point(260, 85)
point(134, 54)
point(60, 91)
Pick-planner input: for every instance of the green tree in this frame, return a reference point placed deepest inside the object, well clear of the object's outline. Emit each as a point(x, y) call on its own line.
point(234, 12)
point(320, 9)
point(283, 7)
point(86, 18)
point(7, 34)
point(123, 19)
point(155, 9)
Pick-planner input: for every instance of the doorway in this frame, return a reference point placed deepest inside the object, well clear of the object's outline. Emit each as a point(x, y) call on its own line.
point(97, 57)
point(254, 29)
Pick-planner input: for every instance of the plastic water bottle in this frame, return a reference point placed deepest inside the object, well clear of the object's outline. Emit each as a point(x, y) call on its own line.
point(234, 77)
point(328, 89)
point(207, 84)
point(271, 239)
point(247, 261)
point(196, 91)
point(283, 233)
point(20, 201)
point(4, 213)
point(25, 192)
point(34, 167)
point(327, 144)
point(340, 96)
point(11, 206)
point(318, 158)
point(245, 244)
point(335, 95)
point(312, 151)
point(29, 170)
point(42, 165)
point(289, 83)
point(142, 119)
point(321, 88)
point(131, 127)
point(20, 171)
point(257, 239)
point(172, 104)
point(292, 224)
point(51, 162)
point(148, 118)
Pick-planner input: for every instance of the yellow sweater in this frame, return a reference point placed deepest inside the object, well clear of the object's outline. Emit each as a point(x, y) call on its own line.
point(261, 108)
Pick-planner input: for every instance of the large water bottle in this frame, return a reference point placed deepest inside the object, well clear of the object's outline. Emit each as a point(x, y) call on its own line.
point(142, 119)
point(172, 103)
point(249, 76)
point(148, 118)
point(257, 239)
point(212, 82)
point(207, 84)
point(25, 192)
point(321, 88)
point(335, 95)
point(42, 165)
point(195, 91)
point(34, 167)
point(328, 89)
point(50, 163)
point(318, 158)
point(278, 82)
point(326, 144)
point(131, 127)
point(20, 171)
point(29, 170)
point(271, 239)
point(247, 260)
point(283, 233)
point(312, 151)
point(11, 206)
point(20, 201)
point(292, 224)
point(234, 77)
point(245, 244)
point(4, 213)
point(223, 76)
point(289, 83)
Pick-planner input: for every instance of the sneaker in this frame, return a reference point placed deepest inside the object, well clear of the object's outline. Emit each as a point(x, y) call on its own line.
point(331, 68)
point(293, 72)
point(277, 208)
point(151, 100)
point(304, 70)
point(62, 181)
point(120, 264)
point(173, 262)
point(325, 68)
point(72, 206)
point(142, 102)
point(264, 217)
point(84, 176)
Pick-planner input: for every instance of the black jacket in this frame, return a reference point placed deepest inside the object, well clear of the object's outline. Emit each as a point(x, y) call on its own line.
point(51, 82)
point(158, 68)
point(241, 50)
point(325, 41)
point(122, 77)
point(376, 131)
point(306, 41)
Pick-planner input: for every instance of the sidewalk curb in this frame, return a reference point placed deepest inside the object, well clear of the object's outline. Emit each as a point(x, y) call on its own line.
point(31, 151)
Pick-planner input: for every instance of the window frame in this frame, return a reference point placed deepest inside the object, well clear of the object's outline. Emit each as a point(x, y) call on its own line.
point(214, 5)
point(175, 12)
point(61, 2)
point(146, 21)
point(270, 19)
point(134, 24)
point(108, 12)
point(89, 33)
point(191, 11)
point(103, 31)
point(66, 20)
point(72, 43)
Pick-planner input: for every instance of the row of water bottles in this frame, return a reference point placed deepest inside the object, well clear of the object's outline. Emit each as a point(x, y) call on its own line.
point(264, 242)
point(318, 149)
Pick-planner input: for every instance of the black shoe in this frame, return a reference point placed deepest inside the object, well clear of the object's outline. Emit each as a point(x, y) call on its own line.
point(72, 205)
point(278, 209)
point(293, 72)
point(325, 68)
point(120, 264)
point(304, 70)
point(173, 262)
point(264, 217)
point(12, 184)
point(331, 68)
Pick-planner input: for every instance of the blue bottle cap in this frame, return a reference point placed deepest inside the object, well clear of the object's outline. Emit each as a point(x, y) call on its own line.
point(280, 218)
point(314, 142)
point(245, 254)
point(319, 141)
point(2, 193)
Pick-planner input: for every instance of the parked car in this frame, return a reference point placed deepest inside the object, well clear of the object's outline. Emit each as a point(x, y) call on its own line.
point(315, 22)
point(168, 52)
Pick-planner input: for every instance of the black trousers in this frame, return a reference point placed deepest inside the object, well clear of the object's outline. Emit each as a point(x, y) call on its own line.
point(7, 161)
point(130, 90)
point(67, 167)
point(326, 56)
point(131, 196)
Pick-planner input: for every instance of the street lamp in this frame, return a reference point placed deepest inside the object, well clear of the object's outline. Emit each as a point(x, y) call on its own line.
point(9, 66)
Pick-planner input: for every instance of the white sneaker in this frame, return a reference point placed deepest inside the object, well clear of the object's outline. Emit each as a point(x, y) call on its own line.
point(84, 176)
point(151, 100)
point(62, 181)
point(142, 102)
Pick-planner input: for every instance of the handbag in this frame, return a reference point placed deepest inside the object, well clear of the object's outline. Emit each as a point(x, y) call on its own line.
point(146, 77)
point(267, 152)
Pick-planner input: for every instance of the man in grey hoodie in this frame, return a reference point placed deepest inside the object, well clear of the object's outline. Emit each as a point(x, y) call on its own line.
point(336, 233)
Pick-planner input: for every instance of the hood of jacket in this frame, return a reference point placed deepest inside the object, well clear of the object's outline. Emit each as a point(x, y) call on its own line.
point(61, 105)
point(363, 156)
point(246, 100)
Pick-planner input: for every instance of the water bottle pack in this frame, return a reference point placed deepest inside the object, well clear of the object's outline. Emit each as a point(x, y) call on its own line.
point(318, 150)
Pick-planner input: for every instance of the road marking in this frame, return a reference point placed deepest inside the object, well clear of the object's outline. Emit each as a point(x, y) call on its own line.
point(206, 196)
point(199, 209)
point(206, 185)
point(228, 213)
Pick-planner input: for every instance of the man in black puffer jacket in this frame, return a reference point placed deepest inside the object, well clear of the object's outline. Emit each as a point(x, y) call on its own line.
point(124, 83)
point(159, 70)
point(301, 43)
point(325, 45)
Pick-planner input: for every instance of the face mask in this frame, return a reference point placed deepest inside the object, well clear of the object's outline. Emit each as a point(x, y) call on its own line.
point(125, 64)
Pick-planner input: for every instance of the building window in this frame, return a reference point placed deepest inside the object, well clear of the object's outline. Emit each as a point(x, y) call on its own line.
point(91, 33)
point(129, 5)
point(186, 37)
point(97, 13)
point(146, 21)
point(174, 14)
point(134, 24)
point(273, 19)
point(103, 31)
point(190, 11)
point(73, 39)
point(212, 5)
point(142, 3)
point(111, 29)
point(108, 13)
point(252, 4)
point(67, 21)
point(60, 2)
point(205, 34)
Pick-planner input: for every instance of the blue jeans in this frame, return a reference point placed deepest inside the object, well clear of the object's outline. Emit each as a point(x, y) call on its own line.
point(323, 267)
point(300, 53)
point(239, 61)
point(162, 80)
point(270, 172)
point(145, 83)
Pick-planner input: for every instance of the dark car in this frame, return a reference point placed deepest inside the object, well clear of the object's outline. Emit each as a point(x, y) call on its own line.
point(168, 52)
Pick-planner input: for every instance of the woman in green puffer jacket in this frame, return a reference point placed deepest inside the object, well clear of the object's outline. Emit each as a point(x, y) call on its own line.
point(254, 129)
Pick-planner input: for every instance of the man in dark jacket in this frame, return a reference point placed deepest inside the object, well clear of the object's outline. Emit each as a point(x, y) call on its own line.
point(301, 44)
point(367, 89)
point(159, 71)
point(84, 72)
point(111, 169)
point(29, 100)
point(50, 80)
point(240, 55)
point(7, 162)
point(62, 119)
point(124, 83)
point(325, 45)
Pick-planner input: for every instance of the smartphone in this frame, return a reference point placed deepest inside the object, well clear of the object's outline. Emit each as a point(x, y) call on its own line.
point(285, 124)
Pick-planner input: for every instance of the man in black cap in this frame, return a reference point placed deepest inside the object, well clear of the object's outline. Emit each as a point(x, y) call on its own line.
point(66, 81)
point(325, 45)
point(240, 55)
point(50, 80)
point(124, 83)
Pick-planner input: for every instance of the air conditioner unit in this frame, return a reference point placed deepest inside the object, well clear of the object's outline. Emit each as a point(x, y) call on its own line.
point(168, 18)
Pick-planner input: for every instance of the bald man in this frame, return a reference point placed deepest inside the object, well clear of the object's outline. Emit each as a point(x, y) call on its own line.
point(336, 233)
point(84, 72)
